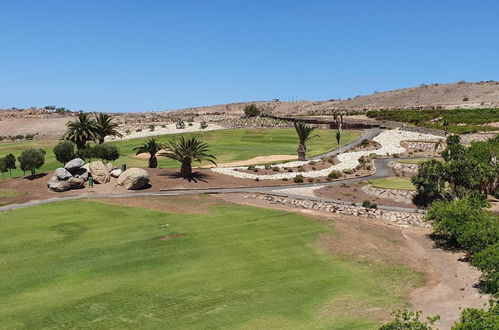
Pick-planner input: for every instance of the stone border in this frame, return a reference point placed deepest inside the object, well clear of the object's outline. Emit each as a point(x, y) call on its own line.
point(394, 217)
point(397, 195)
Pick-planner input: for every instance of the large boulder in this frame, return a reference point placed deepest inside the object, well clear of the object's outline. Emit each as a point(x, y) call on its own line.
point(59, 186)
point(62, 174)
point(99, 172)
point(116, 173)
point(81, 173)
point(75, 183)
point(134, 178)
point(74, 165)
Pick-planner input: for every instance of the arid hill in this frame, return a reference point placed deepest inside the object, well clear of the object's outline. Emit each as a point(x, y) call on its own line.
point(46, 124)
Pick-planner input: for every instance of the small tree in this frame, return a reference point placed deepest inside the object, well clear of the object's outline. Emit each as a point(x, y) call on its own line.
point(251, 110)
point(31, 159)
point(105, 152)
point(304, 133)
point(410, 320)
point(10, 161)
point(3, 167)
point(152, 147)
point(187, 151)
point(64, 151)
point(338, 139)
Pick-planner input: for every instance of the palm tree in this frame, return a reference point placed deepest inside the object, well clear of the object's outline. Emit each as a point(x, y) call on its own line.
point(338, 138)
point(304, 135)
point(152, 147)
point(187, 151)
point(105, 127)
point(81, 130)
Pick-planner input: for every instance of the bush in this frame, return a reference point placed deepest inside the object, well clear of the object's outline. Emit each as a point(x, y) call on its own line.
point(180, 124)
point(347, 171)
point(410, 320)
point(64, 151)
point(203, 125)
point(298, 179)
point(31, 159)
point(105, 152)
point(368, 205)
point(487, 261)
point(251, 110)
point(334, 174)
point(473, 318)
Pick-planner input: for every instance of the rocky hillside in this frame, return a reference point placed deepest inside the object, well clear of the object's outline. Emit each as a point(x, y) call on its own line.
point(434, 96)
point(47, 124)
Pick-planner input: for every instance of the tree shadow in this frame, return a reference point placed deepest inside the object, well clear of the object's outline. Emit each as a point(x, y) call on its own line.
point(35, 176)
point(444, 243)
point(195, 177)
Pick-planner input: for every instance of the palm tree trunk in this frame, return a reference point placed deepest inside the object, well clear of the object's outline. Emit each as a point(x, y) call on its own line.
point(153, 162)
point(301, 150)
point(186, 170)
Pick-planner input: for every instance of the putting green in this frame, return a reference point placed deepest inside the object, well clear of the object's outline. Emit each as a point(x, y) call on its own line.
point(226, 145)
point(86, 264)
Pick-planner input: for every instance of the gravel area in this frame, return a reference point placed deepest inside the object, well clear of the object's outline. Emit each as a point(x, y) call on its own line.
point(390, 145)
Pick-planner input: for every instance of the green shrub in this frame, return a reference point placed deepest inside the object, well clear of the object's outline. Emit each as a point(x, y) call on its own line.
point(31, 159)
point(251, 110)
point(334, 174)
point(64, 151)
point(409, 320)
point(298, 179)
point(105, 152)
point(478, 319)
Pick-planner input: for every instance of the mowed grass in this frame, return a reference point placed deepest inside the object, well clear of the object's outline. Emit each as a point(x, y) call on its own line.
point(226, 145)
point(417, 161)
point(403, 183)
point(86, 264)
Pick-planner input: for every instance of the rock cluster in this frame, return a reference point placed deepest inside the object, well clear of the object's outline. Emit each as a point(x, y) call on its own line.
point(402, 169)
point(397, 217)
point(72, 176)
point(75, 173)
point(399, 196)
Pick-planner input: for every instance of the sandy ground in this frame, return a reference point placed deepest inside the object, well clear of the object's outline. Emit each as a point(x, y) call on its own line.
point(450, 281)
point(255, 161)
point(353, 193)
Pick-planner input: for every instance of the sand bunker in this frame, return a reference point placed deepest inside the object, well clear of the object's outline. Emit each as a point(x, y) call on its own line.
point(256, 160)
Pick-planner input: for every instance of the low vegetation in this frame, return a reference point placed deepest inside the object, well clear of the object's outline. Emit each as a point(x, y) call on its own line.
point(458, 121)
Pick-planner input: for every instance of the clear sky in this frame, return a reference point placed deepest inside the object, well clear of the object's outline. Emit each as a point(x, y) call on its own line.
point(153, 55)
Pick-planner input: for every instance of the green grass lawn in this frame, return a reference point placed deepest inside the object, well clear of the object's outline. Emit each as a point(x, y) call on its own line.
point(85, 264)
point(226, 145)
point(416, 161)
point(403, 183)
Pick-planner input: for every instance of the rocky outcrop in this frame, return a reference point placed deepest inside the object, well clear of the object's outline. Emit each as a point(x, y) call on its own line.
point(76, 183)
point(134, 178)
point(62, 174)
point(58, 186)
point(74, 165)
point(99, 172)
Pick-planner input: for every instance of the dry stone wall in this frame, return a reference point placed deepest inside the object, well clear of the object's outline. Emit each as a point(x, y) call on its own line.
point(399, 196)
point(395, 217)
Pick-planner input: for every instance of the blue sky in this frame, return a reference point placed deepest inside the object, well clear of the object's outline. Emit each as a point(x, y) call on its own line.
point(153, 55)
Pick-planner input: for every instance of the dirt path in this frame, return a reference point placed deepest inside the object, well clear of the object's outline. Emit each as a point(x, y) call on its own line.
point(450, 281)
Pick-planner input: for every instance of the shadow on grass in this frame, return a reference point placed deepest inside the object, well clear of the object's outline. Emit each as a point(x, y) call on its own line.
point(195, 177)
